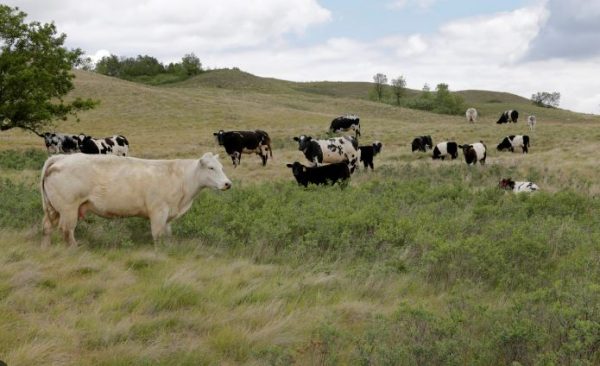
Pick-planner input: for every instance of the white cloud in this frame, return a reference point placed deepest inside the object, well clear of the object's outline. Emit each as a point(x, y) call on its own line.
point(421, 4)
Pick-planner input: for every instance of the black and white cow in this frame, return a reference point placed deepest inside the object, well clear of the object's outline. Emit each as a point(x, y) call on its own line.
point(333, 150)
point(113, 145)
point(249, 142)
point(508, 116)
point(345, 123)
point(444, 149)
point(421, 143)
point(512, 141)
point(474, 153)
point(368, 152)
point(517, 187)
point(324, 174)
point(60, 143)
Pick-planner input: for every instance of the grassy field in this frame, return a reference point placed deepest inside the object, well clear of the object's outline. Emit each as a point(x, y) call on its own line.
point(420, 262)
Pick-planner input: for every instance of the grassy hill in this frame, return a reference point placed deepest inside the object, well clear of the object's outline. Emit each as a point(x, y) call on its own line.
point(419, 262)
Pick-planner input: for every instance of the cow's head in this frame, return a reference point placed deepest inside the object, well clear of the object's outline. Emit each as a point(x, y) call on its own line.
point(506, 183)
point(427, 141)
point(220, 137)
point(210, 172)
point(303, 141)
point(297, 168)
point(49, 139)
point(377, 145)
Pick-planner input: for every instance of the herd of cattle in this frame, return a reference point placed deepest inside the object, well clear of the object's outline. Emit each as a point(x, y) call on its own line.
point(72, 185)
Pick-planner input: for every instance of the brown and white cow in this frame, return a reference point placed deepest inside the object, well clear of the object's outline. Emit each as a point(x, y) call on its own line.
point(111, 186)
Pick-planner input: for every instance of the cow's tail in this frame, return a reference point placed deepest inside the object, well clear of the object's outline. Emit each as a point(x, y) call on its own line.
point(47, 169)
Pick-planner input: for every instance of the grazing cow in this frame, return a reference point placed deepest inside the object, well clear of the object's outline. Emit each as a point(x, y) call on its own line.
point(334, 150)
point(471, 115)
point(57, 143)
point(421, 143)
point(110, 186)
point(508, 116)
point(324, 174)
point(474, 153)
point(446, 148)
point(531, 121)
point(368, 152)
point(114, 145)
point(512, 141)
point(345, 123)
point(238, 142)
point(517, 187)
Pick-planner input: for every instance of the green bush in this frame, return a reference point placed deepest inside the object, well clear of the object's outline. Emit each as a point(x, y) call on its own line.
point(22, 160)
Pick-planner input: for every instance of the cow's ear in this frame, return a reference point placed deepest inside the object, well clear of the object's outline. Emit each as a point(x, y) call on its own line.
point(296, 138)
point(289, 165)
point(215, 133)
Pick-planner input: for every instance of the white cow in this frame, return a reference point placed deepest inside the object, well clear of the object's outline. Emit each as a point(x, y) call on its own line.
point(531, 121)
point(112, 186)
point(471, 115)
point(517, 186)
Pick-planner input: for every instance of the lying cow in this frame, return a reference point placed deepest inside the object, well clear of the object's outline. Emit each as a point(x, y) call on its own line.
point(345, 123)
point(531, 121)
point(513, 141)
point(474, 153)
point(60, 143)
point(110, 186)
point(327, 151)
point(324, 174)
point(238, 142)
point(517, 187)
point(508, 116)
point(114, 145)
point(471, 115)
point(445, 149)
point(421, 143)
point(368, 152)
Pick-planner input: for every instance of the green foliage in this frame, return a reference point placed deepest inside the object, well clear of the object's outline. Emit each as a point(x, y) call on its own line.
point(546, 99)
point(399, 87)
point(35, 73)
point(379, 82)
point(21, 160)
point(20, 205)
point(442, 101)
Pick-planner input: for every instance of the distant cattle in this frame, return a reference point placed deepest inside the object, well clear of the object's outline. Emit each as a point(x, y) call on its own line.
point(471, 115)
point(60, 143)
point(531, 121)
point(324, 174)
point(368, 152)
point(474, 153)
point(345, 123)
point(508, 116)
point(513, 141)
point(113, 145)
point(333, 150)
point(422, 143)
point(517, 187)
point(249, 142)
point(445, 149)
point(110, 186)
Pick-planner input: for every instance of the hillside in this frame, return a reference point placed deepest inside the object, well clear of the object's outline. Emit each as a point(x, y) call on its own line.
point(417, 262)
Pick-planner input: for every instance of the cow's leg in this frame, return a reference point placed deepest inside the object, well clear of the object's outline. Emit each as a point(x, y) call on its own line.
point(158, 223)
point(67, 223)
point(168, 230)
point(371, 165)
point(264, 159)
point(47, 228)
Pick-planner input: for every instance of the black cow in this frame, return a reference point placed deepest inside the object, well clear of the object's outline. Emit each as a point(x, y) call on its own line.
point(324, 174)
point(368, 152)
point(474, 153)
point(113, 145)
point(238, 142)
point(334, 150)
point(421, 143)
point(57, 143)
point(508, 116)
point(345, 123)
point(512, 141)
point(446, 148)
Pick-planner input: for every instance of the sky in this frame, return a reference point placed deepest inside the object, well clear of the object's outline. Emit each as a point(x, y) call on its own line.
point(516, 46)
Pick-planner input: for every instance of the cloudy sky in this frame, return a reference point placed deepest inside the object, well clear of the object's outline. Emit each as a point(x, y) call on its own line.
point(518, 46)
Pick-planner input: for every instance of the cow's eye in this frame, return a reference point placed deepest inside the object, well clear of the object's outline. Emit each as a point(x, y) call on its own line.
point(211, 168)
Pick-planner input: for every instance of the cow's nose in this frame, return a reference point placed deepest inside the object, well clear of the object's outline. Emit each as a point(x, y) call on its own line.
point(227, 185)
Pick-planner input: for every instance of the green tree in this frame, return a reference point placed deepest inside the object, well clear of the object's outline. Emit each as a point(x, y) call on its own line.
point(380, 80)
point(109, 65)
point(191, 64)
point(545, 99)
point(35, 73)
point(398, 87)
